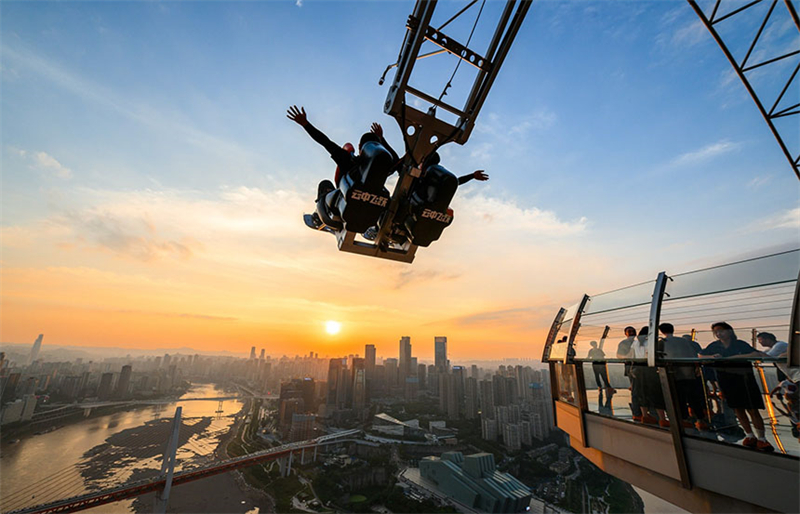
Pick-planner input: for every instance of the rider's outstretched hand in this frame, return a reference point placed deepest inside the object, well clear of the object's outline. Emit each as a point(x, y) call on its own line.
point(297, 115)
point(376, 129)
point(480, 175)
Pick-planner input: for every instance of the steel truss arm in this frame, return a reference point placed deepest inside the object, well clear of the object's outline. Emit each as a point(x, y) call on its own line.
point(742, 68)
point(427, 131)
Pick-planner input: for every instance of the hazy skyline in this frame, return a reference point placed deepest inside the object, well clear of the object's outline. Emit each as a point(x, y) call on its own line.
point(153, 188)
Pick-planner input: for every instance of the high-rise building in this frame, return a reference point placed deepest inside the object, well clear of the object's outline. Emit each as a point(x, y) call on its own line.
point(104, 389)
point(488, 429)
point(422, 375)
point(369, 360)
point(471, 390)
point(391, 373)
point(487, 399)
point(448, 395)
point(440, 354)
point(124, 383)
point(512, 436)
point(359, 380)
point(261, 357)
point(404, 361)
point(37, 346)
point(411, 389)
point(334, 372)
point(303, 427)
point(252, 353)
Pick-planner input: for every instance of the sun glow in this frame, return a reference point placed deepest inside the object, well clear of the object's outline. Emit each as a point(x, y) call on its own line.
point(332, 327)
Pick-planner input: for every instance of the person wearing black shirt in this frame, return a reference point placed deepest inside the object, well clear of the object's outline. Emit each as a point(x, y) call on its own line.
point(738, 384)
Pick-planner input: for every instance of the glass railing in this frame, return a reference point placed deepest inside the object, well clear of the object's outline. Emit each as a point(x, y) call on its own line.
point(723, 335)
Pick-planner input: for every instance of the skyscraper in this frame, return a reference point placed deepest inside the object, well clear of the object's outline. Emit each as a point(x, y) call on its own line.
point(405, 358)
point(37, 345)
point(104, 389)
point(440, 353)
point(252, 353)
point(471, 391)
point(369, 360)
point(124, 382)
point(334, 370)
point(359, 384)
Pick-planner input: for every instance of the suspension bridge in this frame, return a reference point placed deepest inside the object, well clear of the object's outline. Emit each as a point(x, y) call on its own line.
point(78, 487)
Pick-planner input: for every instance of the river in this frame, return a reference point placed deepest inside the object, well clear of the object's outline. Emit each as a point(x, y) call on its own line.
point(107, 450)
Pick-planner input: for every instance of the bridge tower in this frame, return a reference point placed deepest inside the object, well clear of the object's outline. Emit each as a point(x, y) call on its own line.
point(168, 465)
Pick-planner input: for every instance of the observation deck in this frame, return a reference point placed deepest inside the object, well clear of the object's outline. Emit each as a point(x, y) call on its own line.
point(674, 421)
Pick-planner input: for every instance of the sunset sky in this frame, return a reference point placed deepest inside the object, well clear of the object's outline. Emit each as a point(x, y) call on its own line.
point(153, 189)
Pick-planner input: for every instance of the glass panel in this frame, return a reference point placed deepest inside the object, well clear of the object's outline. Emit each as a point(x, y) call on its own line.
point(726, 401)
point(590, 344)
point(559, 348)
point(772, 269)
point(612, 401)
point(567, 383)
point(749, 311)
point(638, 294)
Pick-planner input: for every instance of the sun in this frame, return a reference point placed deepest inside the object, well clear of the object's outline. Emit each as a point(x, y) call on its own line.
point(332, 327)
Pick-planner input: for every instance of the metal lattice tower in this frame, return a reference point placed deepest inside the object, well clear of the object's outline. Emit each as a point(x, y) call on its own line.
point(774, 104)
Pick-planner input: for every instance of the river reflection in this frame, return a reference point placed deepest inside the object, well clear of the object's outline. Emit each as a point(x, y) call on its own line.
point(106, 450)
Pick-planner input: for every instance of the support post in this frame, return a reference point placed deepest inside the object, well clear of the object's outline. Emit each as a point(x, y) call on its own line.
point(168, 465)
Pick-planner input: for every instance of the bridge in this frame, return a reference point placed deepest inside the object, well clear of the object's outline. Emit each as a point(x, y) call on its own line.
point(168, 478)
point(66, 410)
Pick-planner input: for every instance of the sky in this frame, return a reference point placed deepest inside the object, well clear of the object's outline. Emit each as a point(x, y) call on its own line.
point(153, 188)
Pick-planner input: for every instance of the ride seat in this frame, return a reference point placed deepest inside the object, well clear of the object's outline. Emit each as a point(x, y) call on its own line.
point(428, 213)
point(363, 196)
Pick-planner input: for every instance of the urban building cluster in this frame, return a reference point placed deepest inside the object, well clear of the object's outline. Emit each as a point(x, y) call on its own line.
point(512, 402)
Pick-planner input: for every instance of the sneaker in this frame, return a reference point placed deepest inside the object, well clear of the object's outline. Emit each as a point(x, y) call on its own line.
point(649, 420)
point(750, 441)
point(764, 446)
point(371, 233)
point(664, 423)
point(315, 219)
point(611, 390)
point(637, 419)
point(701, 425)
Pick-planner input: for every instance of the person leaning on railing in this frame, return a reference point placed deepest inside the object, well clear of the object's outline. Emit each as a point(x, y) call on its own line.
point(738, 384)
point(689, 386)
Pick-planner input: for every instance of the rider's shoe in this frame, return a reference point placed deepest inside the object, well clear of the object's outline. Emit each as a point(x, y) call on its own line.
point(371, 233)
point(316, 220)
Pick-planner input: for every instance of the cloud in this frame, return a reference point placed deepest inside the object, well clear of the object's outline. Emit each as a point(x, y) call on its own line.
point(706, 153)
point(45, 161)
point(690, 34)
point(789, 218)
point(42, 161)
point(410, 276)
point(759, 181)
point(507, 215)
point(130, 237)
point(298, 3)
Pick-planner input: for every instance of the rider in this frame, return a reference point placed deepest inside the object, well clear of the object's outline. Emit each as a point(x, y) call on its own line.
point(432, 159)
point(344, 156)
